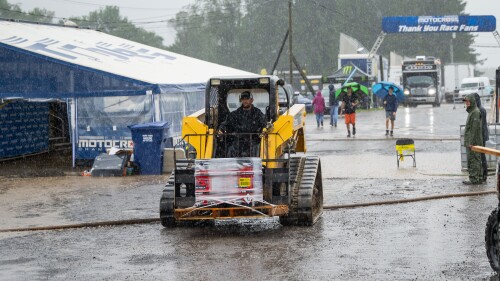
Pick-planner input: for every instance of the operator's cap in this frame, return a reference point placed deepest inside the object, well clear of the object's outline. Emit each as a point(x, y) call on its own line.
point(246, 95)
point(391, 87)
point(465, 98)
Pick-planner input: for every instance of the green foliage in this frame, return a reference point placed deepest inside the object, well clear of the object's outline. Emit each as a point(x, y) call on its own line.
point(247, 34)
point(110, 21)
point(13, 11)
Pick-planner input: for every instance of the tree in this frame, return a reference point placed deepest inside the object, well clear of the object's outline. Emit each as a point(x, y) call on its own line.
point(247, 34)
point(110, 21)
point(13, 11)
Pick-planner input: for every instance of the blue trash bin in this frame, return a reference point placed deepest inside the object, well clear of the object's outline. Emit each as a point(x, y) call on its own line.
point(149, 141)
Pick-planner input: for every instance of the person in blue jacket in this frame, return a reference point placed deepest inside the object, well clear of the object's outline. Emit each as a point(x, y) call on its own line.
point(391, 106)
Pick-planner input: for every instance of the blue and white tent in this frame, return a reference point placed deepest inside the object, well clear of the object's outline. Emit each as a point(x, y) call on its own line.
point(108, 82)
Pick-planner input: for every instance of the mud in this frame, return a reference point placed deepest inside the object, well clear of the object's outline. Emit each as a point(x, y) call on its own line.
point(429, 240)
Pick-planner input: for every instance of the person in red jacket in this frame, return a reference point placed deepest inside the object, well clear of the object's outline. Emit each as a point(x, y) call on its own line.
point(319, 107)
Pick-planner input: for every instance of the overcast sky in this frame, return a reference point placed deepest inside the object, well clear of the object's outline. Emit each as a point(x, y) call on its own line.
point(160, 10)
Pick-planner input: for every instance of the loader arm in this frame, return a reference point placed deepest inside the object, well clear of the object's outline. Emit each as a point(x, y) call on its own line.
point(198, 135)
point(287, 130)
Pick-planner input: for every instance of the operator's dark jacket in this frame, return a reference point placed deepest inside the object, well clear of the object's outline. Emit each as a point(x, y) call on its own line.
point(473, 135)
point(245, 121)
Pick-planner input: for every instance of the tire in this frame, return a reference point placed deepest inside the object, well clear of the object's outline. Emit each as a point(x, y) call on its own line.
point(491, 238)
point(167, 204)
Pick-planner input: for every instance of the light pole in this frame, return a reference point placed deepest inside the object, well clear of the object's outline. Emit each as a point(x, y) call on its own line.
point(497, 82)
point(455, 68)
point(453, 36)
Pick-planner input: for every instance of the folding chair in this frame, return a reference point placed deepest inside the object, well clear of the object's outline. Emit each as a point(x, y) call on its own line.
point(405, 147)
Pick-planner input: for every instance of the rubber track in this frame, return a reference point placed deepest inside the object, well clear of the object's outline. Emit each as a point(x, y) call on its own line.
point(303, 172)
point(167, 203)
point(167, 200)
point(307, 194)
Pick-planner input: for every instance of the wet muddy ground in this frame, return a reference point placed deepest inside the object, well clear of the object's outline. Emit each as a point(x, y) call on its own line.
point(427, 240)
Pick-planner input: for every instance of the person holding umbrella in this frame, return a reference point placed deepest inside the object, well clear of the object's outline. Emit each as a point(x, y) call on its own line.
point(349, 103)
point(391, 106)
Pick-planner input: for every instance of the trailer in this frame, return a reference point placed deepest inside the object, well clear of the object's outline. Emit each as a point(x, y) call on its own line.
point(454, 73)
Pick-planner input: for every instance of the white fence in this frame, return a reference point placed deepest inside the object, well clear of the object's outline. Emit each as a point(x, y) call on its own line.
point(493, 142)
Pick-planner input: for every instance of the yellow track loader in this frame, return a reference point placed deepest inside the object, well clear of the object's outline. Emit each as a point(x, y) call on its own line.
point(211, 183)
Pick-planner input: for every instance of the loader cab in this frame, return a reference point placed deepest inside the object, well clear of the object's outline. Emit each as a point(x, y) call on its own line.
point(222, 97)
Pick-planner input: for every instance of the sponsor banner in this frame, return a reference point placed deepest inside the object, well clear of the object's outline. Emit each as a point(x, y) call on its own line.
point(101, 140)
point(453, 23)
point(364, 64)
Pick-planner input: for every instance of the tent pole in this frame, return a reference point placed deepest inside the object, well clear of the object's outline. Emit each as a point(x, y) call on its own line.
point(349, 77)
point(74, 119)
point(154, 108)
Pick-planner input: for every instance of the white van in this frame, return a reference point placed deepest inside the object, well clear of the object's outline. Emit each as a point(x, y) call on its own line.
point(480, 85)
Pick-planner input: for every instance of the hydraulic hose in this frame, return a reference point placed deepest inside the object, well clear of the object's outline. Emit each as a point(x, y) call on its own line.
point(331, 207)
point(409, 200)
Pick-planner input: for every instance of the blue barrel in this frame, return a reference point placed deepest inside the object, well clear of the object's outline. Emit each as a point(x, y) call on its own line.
point(149, 141)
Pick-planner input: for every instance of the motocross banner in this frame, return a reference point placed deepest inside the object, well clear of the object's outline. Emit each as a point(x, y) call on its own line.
point(453, 23)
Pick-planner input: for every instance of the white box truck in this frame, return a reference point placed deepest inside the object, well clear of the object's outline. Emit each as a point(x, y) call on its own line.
point(479, 85)
point(454, 73)
point(422, 81)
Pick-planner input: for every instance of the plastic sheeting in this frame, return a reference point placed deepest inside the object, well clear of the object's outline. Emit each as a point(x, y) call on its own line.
point(102, 123)
point(174, 107)
point(231, 180)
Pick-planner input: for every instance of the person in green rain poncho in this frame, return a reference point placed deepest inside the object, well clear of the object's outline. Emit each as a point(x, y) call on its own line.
point(473, 136)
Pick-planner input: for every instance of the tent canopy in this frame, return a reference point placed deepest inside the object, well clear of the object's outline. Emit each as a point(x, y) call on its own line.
point(54, 61)
point(343, 73)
